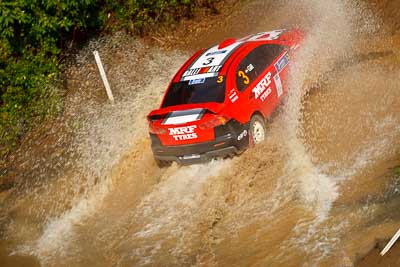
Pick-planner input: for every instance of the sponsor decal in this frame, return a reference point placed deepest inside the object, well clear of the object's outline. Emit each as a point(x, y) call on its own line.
point(197, 71)
point(242, 135)
point(216, 53)
point(214, 68)
point(261, 89)
point(282, 62)
point(249, 68)
point(197, 81)
point(278, 85)
point(204, 70)
point(233, 96)
point(183, 133)
point(266, 94)
point(191, 72)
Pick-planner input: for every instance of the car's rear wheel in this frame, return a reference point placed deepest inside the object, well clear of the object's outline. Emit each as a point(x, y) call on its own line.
point(257, 129)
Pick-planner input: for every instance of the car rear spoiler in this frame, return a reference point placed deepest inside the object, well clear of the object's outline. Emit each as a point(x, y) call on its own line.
point(162, 112)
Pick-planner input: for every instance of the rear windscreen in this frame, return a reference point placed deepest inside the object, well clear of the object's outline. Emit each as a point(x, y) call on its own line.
point(196, 91)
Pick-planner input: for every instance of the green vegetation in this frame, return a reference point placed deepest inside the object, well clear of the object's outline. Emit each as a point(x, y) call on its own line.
point(35, 33)
point(139, 15)
point(397, 171)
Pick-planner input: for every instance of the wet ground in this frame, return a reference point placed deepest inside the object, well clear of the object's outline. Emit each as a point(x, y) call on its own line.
point(319, 192)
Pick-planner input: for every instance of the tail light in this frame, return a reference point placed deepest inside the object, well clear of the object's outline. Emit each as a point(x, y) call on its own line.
point(214, 122)
point(156, 130)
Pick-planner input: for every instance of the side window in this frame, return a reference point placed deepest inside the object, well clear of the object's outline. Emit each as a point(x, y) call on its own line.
point(255, 63)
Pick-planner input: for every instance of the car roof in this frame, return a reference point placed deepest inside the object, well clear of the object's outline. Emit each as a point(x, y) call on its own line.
point(196, 67)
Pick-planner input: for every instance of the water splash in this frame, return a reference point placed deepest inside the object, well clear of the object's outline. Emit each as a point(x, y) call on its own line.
point(328, 39)
point(169, 212)
point(105, 133)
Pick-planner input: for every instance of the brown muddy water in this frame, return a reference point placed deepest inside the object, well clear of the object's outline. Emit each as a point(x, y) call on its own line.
point(318, 192)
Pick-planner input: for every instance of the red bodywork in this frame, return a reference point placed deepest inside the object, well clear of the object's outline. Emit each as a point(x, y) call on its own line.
point(262, 95)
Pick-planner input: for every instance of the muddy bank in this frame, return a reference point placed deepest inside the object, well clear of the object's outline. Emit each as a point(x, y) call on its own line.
point(374, 259)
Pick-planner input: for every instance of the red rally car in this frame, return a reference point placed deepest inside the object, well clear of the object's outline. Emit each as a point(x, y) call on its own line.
point(217, 103)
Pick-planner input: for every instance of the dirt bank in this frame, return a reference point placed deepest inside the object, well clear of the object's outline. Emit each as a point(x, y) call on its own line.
point(373, 258)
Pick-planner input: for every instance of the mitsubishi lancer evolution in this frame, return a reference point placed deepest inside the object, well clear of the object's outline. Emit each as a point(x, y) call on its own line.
point(217, 103)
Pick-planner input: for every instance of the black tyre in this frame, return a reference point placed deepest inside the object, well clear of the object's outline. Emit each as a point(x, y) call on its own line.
point(257, 129)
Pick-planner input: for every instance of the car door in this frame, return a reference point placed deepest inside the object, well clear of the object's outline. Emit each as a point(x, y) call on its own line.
point(255, 78)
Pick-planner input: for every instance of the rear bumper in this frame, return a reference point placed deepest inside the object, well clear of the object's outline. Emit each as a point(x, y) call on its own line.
point(229, 144)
